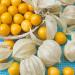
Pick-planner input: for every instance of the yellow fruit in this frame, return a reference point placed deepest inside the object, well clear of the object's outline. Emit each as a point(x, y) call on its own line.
point(15, 2)
point(15, 29)
point(18, 18)
point(3, 8)
point(14, 69)
point(42, 32)
point(9, 43)
point(4, 29)
point(68, 71)
point(13, 10)
point(61, 38)
point(6, 18)
point(6, 2)
point(26, 25)
point(36, 19)
point(23, 8)
point(30, 8)
point(53, 71)
point(28, 15)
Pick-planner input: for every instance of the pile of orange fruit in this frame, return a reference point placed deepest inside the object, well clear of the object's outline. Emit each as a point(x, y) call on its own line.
point(16, 17)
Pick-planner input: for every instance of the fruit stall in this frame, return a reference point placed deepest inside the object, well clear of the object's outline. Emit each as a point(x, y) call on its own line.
point(37, 37)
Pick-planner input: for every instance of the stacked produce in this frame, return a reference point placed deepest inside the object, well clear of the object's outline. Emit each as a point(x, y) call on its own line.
point(33, 32)
point(17, 17)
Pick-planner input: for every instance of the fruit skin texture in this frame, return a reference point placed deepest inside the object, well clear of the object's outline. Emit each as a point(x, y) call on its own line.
point(4, 29)
point(13, 10)
point(23, 8)
point(14, 69)
point(42, 32)
point(30, 8)
point(36, 19)
point(60, 38)
point(18, 18)
point(6, 2)
point(53, 71)
point(9, 43)
point(15, 29)
point(15, 2)
point(28, 15)
point(3, 8)
point(6, 18)
point(26, 25)
point(68, 71)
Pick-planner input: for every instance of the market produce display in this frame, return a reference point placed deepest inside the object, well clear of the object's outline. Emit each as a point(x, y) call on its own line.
point(17, 18)
point(38, 37)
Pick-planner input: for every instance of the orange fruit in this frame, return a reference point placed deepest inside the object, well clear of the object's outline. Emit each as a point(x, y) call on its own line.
point(4, 29)
point(30, 7)
point(18, 18)
point(3, 8)
point(28, 15)
point(15, 29)
point(6, 2)
point(26, 25)
point(15, 2)
point(13, 10)
point(53, 71)
point(42, 32)
point(36, 19)
point(6, 18)
point(60, 38)
point(14, 69)
point(23, 8)
point(68, 71)
point(9, 43)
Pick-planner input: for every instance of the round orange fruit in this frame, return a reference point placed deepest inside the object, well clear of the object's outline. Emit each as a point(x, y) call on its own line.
point(13, 10)
point(23, 8)
point(53, 71)
point(4, 29)
point(68, 71)
point(60, 38)
point(14, 69)
point(15, 2)
point(36, 19)
point(42, 32)
point(9, 43)
point(28, 15)
point(6, 18)
point(26, 25)
point(3, 8)
point(18, 18)
point(15, 29)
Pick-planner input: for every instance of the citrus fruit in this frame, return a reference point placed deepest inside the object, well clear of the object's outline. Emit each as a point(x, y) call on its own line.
point(4, 29)
point(30, 8)
point(18, 18)
point(26, 25)
point(15, 29)
point(23, 8)
point(28, 15)
point(6, 18)
point(61, 38)
point(68, 71)
point(15, 2)
point(6, 2)
point(42, 32)
point(36, 19)
point(13, 10)
point(9, 43)
point(14, 69)
point(53, 71)
point(3, 8)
